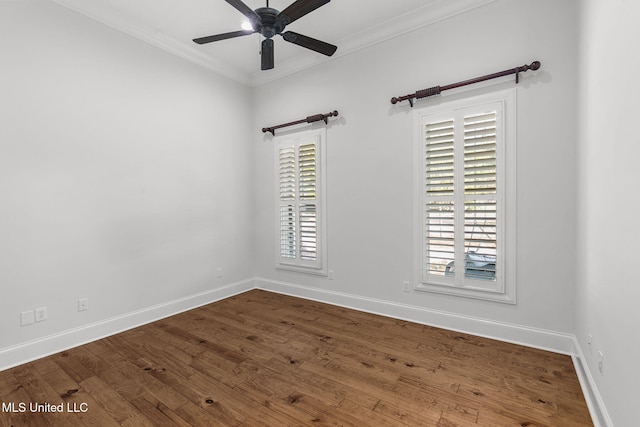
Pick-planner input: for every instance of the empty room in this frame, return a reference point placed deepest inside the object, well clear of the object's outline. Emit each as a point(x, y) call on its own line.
point(315, 212)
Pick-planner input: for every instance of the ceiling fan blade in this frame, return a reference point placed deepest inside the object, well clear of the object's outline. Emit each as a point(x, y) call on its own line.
point(223, 36)
point(246, 11)
point(310, 43)
point(297, 10)
point(267, 56)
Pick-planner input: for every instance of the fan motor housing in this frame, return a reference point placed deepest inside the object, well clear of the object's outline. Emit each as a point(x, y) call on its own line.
point(268, 17)
point(270, 22)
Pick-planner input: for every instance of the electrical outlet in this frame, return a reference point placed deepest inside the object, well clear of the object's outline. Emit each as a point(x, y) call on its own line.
point(600, 362)
point(219, 271)
point(590, 342)
point(330, 276)
point(41, 314)
point(83, 304)
point(27, 318)
point(405, 286)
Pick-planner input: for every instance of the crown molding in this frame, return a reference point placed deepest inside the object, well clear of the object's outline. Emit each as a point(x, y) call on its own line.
point(434, 11)
point(101, 13)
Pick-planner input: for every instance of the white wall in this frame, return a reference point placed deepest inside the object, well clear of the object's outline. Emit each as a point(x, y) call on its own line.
point(370, 181)
point(608, 291)
point(123, 173)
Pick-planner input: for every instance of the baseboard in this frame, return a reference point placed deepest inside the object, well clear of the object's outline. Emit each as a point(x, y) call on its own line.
point(597, 409)
point(517, 334)
point(32, 350)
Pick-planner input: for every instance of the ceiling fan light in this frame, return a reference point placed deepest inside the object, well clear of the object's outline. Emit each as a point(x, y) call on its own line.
point(246, 25)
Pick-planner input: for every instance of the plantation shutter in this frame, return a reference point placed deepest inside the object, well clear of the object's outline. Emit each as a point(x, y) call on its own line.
point(287, 166)
point(460, 210)
point(298, 189)
point(480, 189)
point(439, 207)
point(307, 208)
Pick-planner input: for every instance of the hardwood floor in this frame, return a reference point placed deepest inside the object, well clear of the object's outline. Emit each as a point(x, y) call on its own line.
point(263, 359)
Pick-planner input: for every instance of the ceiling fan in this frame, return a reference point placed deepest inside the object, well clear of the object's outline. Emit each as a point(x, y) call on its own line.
point(270, 22)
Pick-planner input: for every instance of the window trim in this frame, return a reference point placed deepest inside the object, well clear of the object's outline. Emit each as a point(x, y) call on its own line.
point(505, 290)
point(319, 137)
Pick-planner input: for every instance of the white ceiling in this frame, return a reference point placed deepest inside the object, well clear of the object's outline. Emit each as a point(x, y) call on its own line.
point(349, 24)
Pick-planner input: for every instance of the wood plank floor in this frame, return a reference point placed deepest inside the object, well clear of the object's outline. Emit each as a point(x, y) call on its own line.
point(263, 359)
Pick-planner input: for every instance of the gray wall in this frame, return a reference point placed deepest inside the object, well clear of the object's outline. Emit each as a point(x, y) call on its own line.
point(129, 176)
point(370, 147)
point(123, 173)
point(607, 274)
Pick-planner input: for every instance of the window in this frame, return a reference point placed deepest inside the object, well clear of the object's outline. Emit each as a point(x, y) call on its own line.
point(466, 197)
point(300, 228)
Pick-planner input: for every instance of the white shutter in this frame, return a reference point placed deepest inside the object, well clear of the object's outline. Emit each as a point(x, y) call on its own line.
point(480, 189)
point(439, 197)
point(307, 171)
point(308, 232)
point(299, 205)
point(307, 163)
point(288, 247)
point(465, 197)
point(460, 214)
point(287, 171)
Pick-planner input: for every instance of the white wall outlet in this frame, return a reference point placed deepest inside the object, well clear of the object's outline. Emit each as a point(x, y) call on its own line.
point(83, 304)
point(27, 318)
point(406, 286)
point(590, 343)
point(219, 271)
point(330, 275)
point(41, 314)
point(600, 362)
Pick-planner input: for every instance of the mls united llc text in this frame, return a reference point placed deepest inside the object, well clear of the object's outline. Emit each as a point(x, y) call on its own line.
point(22, 407)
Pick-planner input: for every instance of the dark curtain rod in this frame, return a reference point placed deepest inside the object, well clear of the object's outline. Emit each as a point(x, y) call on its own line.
point(432, 91)
point(309, 119)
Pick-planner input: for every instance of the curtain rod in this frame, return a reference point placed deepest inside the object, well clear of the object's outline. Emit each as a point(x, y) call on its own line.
point(432, 91)
point(310, 119)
